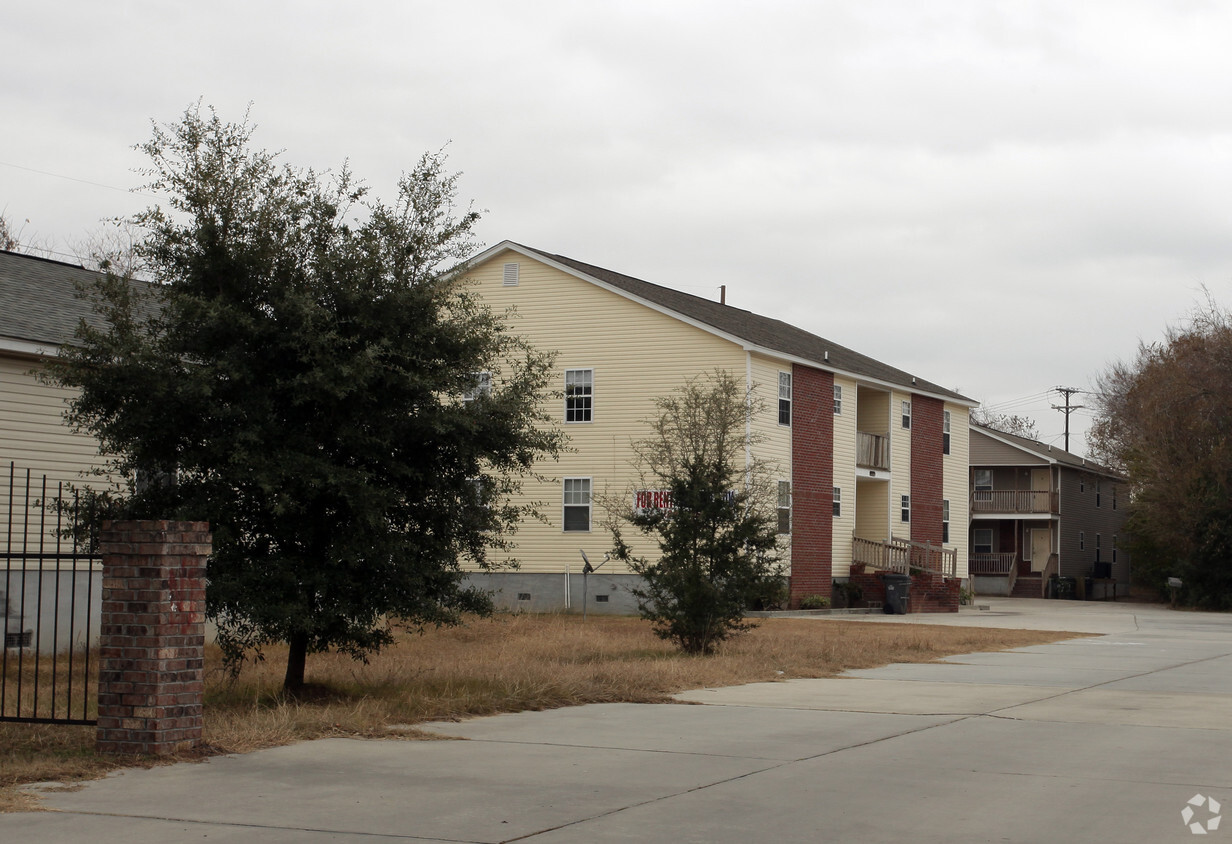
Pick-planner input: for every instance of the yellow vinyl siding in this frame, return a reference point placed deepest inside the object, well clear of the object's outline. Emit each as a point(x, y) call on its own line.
point(636, 355)
point(871, 517)
point(774, 446)
point(955, 481)
point(844, 468)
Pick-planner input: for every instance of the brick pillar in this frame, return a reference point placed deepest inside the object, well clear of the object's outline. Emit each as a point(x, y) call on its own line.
point(812, 483)
point(152, 644)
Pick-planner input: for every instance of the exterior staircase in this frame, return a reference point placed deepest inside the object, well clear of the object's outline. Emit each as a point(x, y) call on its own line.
point(1028, 586)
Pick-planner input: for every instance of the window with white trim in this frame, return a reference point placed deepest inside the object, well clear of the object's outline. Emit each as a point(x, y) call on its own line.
point(1114, 548)
point(981, 541)
point(1082, 540)
point(784, 398)
point(982, 481)
point(481, 386)
point(579, 395)
point(577, 504)
point(906, 508)
point(838, 501)
point(945, 520)
point(945, 432)
point(906, 414)
point(1097, 548)
point(838, 400)
point(1097, 493)
point(784, 507)
point(1114, 489)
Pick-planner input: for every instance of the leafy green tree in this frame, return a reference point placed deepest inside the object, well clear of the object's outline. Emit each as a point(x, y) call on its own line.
point(718, 536)
point(303, 371)
point(1165, 419)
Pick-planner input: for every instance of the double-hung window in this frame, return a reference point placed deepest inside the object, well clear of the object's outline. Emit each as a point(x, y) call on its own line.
point(981, 541)
point(838, 501)
point(579, 395)
point(577, 504)
point(481, 386)
point(906, 508)
point(784, 507)
point(784, 398)
point(906, 414)
point(945, 432)
point(945, 520)
point(838, 400)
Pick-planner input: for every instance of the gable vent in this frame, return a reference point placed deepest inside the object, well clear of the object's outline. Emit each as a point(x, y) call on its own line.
point(511, 275)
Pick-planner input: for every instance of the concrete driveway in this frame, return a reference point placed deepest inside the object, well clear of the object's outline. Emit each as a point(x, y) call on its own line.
point(1098, 739)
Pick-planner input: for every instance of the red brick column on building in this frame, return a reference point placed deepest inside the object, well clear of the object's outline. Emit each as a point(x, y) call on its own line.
point(152, 643)
point(812, 483)
point(927, 470)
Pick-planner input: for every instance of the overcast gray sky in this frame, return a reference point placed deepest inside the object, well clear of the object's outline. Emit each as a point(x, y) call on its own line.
point(998, 196)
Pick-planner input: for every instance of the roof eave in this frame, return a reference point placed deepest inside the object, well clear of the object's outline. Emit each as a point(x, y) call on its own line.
point(534, 255)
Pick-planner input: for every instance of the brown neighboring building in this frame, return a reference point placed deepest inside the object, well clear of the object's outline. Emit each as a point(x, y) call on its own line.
point(1037, 510)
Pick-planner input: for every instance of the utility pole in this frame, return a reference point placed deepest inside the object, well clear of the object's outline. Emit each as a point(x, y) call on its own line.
point(1068, 409)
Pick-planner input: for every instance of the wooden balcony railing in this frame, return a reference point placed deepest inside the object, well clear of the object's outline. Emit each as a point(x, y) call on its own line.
point(872, 451)
point(992, 564)
point(903, 555)
point(1013, 501)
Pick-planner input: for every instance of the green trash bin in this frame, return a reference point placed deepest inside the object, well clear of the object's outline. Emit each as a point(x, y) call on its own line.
point(898, 593)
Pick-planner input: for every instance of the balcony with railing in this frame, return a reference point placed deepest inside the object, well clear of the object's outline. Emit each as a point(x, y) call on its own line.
point(990, 564)
point(872, 451)
point(1011, 501)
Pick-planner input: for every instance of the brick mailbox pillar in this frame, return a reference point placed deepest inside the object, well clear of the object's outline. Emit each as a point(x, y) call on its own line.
point(152, 643)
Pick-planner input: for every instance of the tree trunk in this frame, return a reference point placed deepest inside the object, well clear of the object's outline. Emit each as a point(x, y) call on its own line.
point(296, 658)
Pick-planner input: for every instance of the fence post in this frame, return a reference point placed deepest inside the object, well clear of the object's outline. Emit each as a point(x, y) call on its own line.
point(152, 642)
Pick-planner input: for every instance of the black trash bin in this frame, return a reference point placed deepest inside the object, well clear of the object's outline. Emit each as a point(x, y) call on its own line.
point(898, 593)
point(1067, 587)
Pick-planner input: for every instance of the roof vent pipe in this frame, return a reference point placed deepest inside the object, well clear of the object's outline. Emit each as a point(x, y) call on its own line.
point(722, 294)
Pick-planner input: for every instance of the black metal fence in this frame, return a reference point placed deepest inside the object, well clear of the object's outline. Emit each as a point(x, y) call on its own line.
point(50, 591)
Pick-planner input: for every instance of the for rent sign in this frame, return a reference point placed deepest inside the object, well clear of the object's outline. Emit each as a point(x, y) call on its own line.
point(648, 500)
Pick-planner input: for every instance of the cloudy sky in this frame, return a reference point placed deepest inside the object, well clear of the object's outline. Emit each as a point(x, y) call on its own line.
point(1000, 197)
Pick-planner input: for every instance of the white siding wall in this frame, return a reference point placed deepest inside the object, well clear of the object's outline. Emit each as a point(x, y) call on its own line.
point(34, 437)
point(956, 480)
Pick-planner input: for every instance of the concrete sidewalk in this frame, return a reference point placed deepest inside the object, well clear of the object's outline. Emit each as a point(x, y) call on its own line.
point(1093, 739)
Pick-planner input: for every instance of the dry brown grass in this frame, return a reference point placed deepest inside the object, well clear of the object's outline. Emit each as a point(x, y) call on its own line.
point(507, 663)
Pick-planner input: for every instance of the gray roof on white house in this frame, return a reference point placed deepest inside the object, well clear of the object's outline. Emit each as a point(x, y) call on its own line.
point(39, 300)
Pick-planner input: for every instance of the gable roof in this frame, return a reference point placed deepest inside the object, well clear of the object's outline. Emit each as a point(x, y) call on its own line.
point(39, 305)
point(1041, 450)
point(758, 332)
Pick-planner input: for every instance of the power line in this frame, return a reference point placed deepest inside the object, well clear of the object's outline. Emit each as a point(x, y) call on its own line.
point(1067, 409)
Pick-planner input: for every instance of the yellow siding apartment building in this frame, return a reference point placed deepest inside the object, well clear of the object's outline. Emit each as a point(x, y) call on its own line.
point(860, 448)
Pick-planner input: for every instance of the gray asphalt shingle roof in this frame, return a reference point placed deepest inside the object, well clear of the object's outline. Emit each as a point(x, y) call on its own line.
point(757, 330)
point(39, 301)
point(1047, 452)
